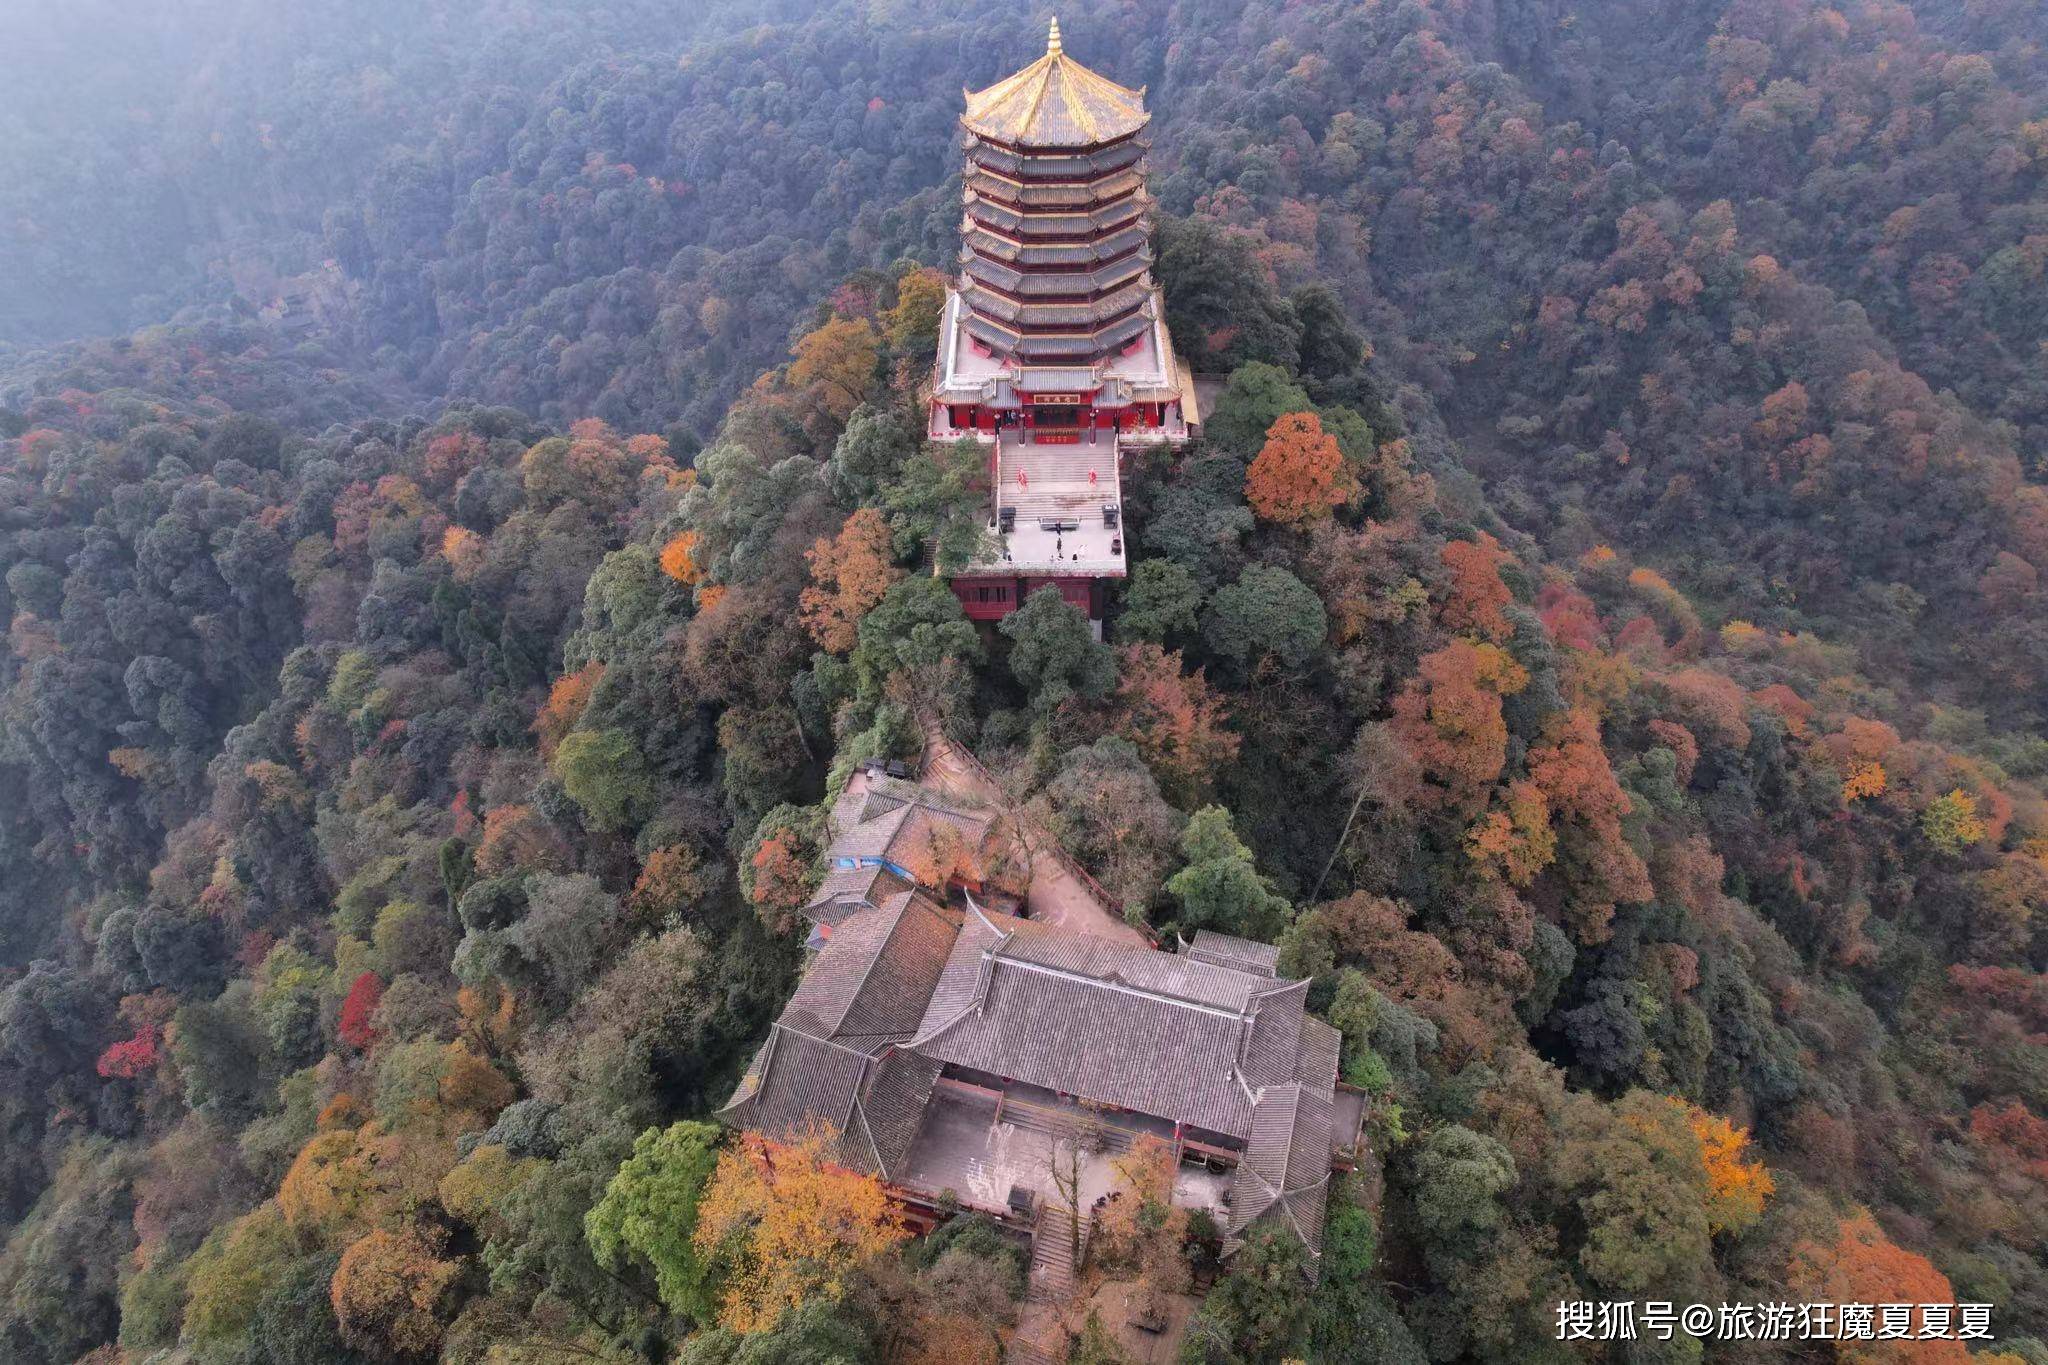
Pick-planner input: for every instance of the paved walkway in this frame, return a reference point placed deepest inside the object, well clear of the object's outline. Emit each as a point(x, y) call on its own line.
point(1056, 896)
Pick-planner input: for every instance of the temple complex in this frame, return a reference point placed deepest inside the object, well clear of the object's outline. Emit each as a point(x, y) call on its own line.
point(1053, 347)
point(947, 1048)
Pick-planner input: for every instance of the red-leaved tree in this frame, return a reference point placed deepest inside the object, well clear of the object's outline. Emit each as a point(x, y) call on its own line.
point(131, 1057)
point(356, 1011)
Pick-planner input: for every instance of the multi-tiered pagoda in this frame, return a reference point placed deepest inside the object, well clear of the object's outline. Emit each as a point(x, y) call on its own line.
point(1053, 350)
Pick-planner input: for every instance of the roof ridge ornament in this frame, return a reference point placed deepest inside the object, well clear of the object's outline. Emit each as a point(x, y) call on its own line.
point(1052, 39)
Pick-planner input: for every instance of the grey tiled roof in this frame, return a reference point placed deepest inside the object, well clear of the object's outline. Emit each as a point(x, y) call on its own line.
point(872, 1105)
point(871, 837)
point(1273, 1050)
point(1209, 1036)
point(1144, 1030)
point(1284, 1176)
point(1227, 950)
point(885, 821)
point(893, 1106)
point(829, 1059)
point(846, 890)
point(796, 1080)
point(1320, 1045)
point(872, 979)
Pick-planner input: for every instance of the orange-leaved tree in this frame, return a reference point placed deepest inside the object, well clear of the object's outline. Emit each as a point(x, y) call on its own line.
point(1862, 1265)
point(673, 878)
point(793, 1224)
point(1571, 769)
point(1299, 474)
point(1515, 837)
point(679, 558)
point(1738, 1183)
point(1478, 598)
point(939, 854)
point(1449, 719)
point(564, 707)
point(778, 876)
point(850, 573)
point(388, 1291)
point(464, 550)
point(1176, 719)
point(838, 361)
point(334, 1183)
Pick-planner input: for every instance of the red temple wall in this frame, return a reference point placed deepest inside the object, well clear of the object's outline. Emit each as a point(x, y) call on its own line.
point(991, 599)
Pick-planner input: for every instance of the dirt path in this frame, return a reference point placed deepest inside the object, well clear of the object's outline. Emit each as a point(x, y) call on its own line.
point(1056, 896)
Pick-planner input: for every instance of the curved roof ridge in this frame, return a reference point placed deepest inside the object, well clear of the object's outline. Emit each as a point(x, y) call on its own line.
point(1024, 109)
point(979, 914)
point(984, 982)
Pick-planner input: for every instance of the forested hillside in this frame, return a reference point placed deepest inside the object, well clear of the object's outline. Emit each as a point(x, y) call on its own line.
point(1599, 637)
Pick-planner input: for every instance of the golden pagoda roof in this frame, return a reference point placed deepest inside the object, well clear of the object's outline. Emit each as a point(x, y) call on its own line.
point(1055, 102)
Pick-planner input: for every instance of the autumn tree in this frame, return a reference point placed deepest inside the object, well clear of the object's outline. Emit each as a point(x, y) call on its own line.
point(1737, 1181)
point(837, 361)
point(334, 1182)
point(1860, 750)
point(1141, 1231)
point(939, 854)
point(912, 325)
point(2012, 1132)
point(791, 1224)
point(517, 838)
point(364, 995)
point(780, 869)
point(1449, 719)
point(1177, 721)
point(564, 706)
point(1571, 770)
point(590, 466)
point(389, 1288)
point(679, 557)
point(1478, 598)
point(1951, 822)
point(850, 574)
point(1515, 837)
point(138, 1054)
point(1709, 705)
point(1299, 473)
point(465, 552)
point(673, 879)
point(1859, 1264)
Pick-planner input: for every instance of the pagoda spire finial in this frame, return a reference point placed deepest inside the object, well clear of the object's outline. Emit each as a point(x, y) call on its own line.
point(1052, 39)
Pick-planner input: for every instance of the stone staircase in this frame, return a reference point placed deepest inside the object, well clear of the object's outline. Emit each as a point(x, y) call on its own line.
point(1024, 1352)
point(1057, 479)
point(1052, 1254)
point(1061, 1124)
point(1041, 1337)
